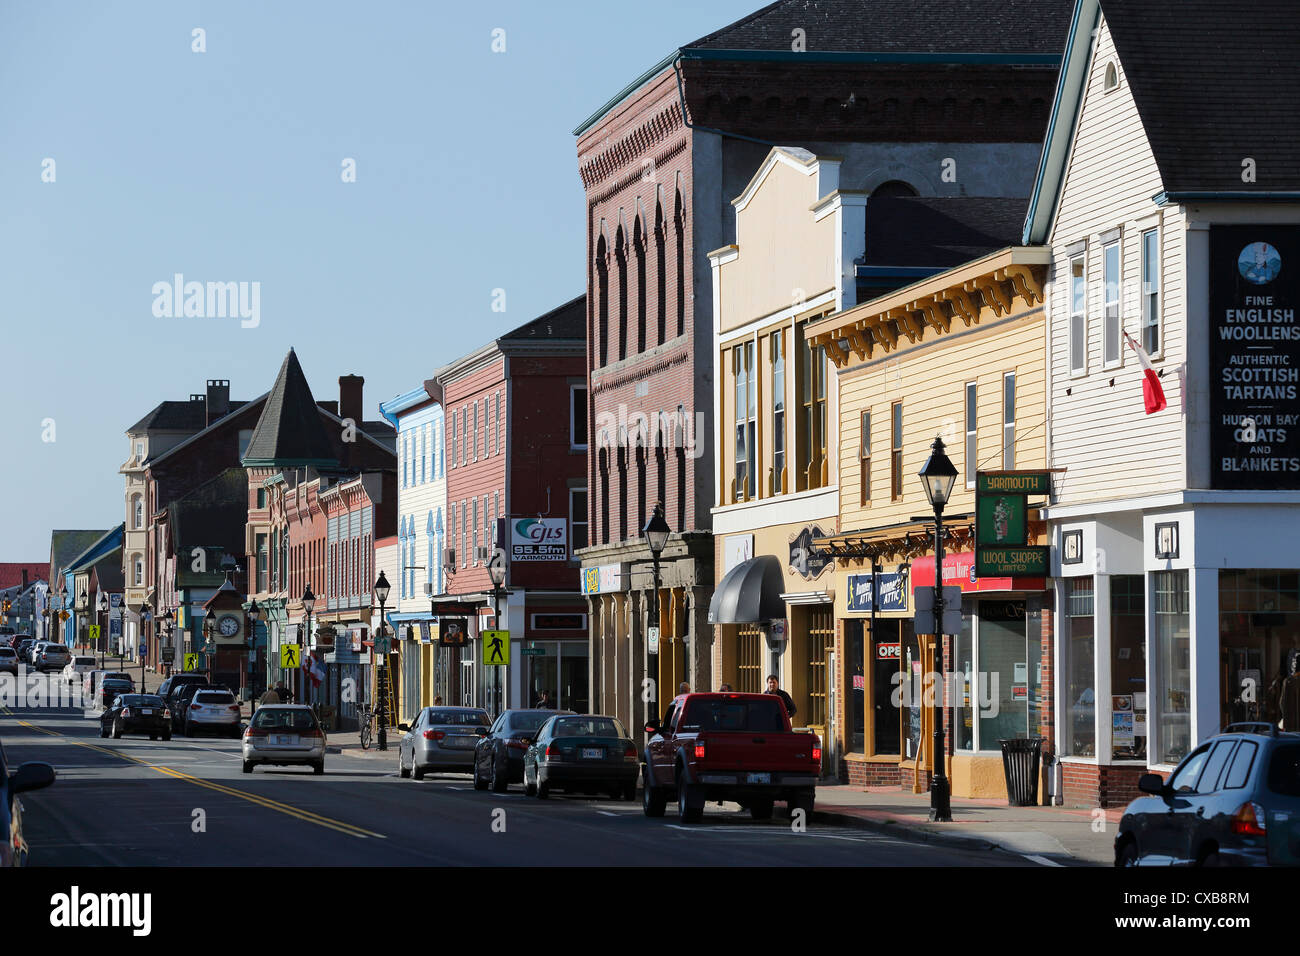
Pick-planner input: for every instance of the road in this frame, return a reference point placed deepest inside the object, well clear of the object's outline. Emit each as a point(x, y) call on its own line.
point(135, 802)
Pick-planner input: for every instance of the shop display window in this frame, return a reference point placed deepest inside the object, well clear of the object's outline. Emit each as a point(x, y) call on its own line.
point(1128, 667)
point(1259, 640)
point(1173, 664)
point(1080, 694)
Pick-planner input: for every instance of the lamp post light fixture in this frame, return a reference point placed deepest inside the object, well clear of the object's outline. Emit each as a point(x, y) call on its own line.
point(308, 605)
point(382, 588)
point(938, 476)
point(656, 533)
point(497, 572)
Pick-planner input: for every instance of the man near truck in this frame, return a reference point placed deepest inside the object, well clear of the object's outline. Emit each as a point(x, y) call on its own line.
point(774, 689)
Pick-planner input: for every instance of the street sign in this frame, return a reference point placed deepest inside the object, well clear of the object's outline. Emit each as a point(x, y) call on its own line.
point(143, 650)
point(290, 655)
point(64, 615)
point(533, 652)
point(1013, 483)
point(191, 662)
point(94, 632)
point(496, 648)
point(652, 636)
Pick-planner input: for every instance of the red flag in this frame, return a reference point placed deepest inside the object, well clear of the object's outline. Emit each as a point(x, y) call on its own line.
point(312, 669)
point(1153, 395)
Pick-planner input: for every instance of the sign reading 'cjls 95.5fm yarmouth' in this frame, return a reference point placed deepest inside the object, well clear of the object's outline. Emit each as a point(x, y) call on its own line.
point(1254, 357)
point(539, 539)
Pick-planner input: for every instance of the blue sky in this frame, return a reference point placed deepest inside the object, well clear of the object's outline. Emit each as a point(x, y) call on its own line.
point(226, 166)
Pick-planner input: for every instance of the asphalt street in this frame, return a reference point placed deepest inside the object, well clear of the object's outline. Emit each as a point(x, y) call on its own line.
point(135, 802)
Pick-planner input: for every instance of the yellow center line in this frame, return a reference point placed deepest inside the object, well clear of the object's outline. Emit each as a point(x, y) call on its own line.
point(285, 808)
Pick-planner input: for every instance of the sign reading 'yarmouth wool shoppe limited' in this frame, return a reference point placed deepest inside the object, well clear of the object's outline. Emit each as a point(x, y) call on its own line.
point(1254, 357)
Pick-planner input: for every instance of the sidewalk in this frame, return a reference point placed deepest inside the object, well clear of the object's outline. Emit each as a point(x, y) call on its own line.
point(1057, 834)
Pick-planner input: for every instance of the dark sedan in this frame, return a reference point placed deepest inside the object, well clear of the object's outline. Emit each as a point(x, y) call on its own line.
point(499, 757)
point(29, 776)
point(136, 714)
point(111, 690)
point(590, 754)
point(1233, 801)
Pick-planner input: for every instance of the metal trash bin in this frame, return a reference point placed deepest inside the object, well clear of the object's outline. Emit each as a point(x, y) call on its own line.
point(1020, 759)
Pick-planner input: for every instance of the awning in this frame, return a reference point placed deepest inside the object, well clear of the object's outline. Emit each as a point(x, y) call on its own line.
point(750, 593)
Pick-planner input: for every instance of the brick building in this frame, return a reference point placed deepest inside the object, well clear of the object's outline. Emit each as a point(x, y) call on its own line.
point(936, 98)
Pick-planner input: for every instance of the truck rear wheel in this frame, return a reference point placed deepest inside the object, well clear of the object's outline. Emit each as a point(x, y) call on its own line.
point(690, 802)
point(653, 801)
point(804, 801)
point(760, 809)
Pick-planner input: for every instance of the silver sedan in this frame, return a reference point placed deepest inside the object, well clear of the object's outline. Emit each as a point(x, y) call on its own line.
point(442, 738)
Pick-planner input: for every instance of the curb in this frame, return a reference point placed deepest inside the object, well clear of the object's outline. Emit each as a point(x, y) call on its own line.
point(910, 831)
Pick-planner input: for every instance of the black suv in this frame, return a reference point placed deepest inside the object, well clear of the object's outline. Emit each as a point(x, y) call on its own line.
point(1233, 801)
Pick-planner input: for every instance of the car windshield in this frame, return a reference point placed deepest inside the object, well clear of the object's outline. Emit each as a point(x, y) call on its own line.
point(459, 718)
point(272, 718)
point(529, 719)
point(214, 697)
point(756, 716)
point(589, 727)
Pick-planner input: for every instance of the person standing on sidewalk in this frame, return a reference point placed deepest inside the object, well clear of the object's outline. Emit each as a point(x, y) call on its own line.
point(773, 688)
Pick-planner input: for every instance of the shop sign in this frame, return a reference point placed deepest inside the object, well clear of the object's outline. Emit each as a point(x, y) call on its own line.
point(891, 595)
point(453, 631)
point(804, 561)
point(1002, 523)
point(539, 539)
point(602, 579)
point(425, 636)
point(1254, 357)
point(736, 549)
point(1019, 692)
point(1021, 561)
point(887, 652)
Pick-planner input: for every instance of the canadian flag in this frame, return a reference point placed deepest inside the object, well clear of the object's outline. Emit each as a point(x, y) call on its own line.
point(312, 669)
point(1153, 396)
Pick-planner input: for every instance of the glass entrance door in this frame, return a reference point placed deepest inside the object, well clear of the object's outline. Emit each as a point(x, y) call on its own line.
point(561, 671)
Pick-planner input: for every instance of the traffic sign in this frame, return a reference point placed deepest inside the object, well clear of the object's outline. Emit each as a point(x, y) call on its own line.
point(64, 615)
point(496, 648)
point(94, 632)
point(191, 662)
point(290, 655)
point(652, 635)
point(923, 601)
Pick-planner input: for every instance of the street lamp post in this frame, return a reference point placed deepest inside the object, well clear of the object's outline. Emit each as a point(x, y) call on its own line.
point(254, 613)
point(938, 476)
point(144, 614)
point(656, 532)
point(102, 608)
point(121, 636)
point(308, 605)
point(382, 587)
point(497, 572)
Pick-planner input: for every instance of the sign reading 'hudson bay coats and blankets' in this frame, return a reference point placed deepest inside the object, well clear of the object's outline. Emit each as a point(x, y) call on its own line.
point(1254, 357)
point(1002, 524)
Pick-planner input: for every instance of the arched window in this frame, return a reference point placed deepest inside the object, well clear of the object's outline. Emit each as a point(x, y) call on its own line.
point(603, 457)
point(638, 248)
point(894, 187)
point(137, 512)
point(139, 571)
point(622, 489)
point(679, 222)
point(1112, 77)
point(661, 279)
point(430, 532)
point(620, 260)
point(640, 485)
point(602, 301)
point(661, 464)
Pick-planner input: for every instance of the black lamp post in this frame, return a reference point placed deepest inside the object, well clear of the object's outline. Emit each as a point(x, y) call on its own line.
point(165, 640)
point(656, 533)
point(497, 572)
point(121, 635)
point(102, 608)
point(308, 605)
point(382, 587)
point(144, 614)
point(254, 614)
point(938, 475)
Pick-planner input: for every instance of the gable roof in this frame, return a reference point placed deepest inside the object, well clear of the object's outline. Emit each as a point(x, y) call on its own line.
point(939, 231)
point(67, 546)
point(191, 416)
point(105, 544)
point(567, 321)
point(1212, 80)
point(11, 573)
point(900, 26)
point(290, 431)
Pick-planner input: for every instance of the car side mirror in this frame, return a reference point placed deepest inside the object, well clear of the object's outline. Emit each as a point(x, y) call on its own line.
point(31, 776)
point(484, 731)
point(404, 727)
point(652, 727)
point(1151, 783)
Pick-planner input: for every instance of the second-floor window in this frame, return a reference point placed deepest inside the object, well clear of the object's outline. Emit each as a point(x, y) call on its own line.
point(896, 451)
point(1078, 317)
point(972, 463)
point(138, 517)
point(1110, 303)
point(778, 485)
point(812, 450)
point(742, 360)
point(1151, 292)
point(578, 417)
point(577, 519)
point(1009, 420)
point(864, 460)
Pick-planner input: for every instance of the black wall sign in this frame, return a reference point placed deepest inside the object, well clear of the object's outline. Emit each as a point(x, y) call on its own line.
point(803, 561)
point(1254, 357)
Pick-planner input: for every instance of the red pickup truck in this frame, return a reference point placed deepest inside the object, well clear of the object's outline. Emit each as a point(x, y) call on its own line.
point(728, 747)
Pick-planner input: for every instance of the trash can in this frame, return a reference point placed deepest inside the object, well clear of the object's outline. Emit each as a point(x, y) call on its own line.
point(1020, 765)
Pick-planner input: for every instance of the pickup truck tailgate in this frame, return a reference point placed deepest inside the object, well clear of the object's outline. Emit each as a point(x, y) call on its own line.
point(780, 752)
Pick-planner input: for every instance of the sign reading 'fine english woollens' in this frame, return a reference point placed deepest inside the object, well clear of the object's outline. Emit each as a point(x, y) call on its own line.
point(1254, 357)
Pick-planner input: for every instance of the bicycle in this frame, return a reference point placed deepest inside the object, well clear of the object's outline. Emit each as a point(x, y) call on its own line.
point(367, 718)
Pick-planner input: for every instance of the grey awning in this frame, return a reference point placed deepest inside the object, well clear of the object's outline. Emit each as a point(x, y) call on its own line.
point(750, 593)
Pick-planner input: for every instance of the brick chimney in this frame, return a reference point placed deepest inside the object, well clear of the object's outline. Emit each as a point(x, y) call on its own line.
point(218, 399)
point(350, 405)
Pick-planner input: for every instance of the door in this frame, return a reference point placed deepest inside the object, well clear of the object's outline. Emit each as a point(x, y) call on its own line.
point(1161, 838)
point(1193, 826)
point(572, 686)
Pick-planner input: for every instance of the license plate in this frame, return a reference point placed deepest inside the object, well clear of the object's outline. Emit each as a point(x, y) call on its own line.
point(146, 711)
point(462, 743)
point(593, 753)
point(758, 778)
point(286, 739)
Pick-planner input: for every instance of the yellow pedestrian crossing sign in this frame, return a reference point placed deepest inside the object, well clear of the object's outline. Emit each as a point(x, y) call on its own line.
point(290, 655)
point(191, 662)
point(496, 648)
point(94, 632)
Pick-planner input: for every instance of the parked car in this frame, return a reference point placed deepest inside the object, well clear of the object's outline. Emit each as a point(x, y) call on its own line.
point(8, 661)
point(34, 652)
point(96, 677)
point(728, 747)
point(28, 776)
point(499, 756)
point(212, 711)
point(284, 735)
point(582, 752)
point(24, 649)
point(53, 657)
point(77, 668)
point(442, 738)
point(136, 714)
point(7, 634)
point(181, 697)
point(1233, 801)
point(177, 680)
point(110, 690)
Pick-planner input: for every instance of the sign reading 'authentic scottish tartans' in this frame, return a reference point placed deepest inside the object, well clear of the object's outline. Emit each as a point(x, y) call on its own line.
point(1254, 357)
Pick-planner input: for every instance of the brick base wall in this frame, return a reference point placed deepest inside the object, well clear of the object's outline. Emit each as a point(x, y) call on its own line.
point(859, 774)
point(1107, 787)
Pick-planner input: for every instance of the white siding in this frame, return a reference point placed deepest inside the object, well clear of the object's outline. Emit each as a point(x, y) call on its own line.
point(1100, 432)
point(415, 501)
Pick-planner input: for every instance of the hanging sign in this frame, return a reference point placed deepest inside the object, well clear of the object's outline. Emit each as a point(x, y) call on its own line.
point(1002, 524)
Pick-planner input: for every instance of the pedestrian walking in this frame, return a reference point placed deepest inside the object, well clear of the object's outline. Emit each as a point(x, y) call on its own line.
point(683, 688)
point(776, 691)
point(272, 696)
point(725, 689)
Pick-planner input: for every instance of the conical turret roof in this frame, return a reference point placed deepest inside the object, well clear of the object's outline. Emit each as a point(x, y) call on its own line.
point(290, 432)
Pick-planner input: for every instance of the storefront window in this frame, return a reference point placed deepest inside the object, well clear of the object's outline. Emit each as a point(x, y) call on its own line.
point(963, 662)
point(885, 684)
point(855, 680)
point(913, 693)
point(1128, 667)
point(1012, 661)
point(1081, 707)
point(1173, 664)
point(1259, 633)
